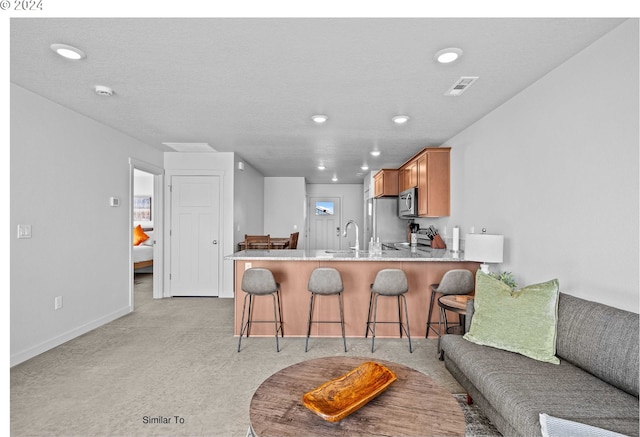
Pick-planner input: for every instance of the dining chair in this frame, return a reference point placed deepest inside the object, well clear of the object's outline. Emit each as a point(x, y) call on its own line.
point(293, 240)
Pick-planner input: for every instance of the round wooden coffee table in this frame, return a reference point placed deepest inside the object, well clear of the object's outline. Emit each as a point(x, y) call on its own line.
point(414, 405)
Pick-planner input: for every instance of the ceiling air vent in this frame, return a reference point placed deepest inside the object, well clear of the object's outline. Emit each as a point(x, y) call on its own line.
point(461, 85)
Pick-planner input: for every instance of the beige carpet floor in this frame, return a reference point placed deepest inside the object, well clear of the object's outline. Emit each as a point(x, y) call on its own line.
point(176, 359)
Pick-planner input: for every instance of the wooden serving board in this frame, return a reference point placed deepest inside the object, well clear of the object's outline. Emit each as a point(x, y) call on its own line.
point(336, 399)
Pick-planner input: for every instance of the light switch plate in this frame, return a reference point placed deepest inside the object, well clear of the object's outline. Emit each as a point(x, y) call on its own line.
point(24, 231)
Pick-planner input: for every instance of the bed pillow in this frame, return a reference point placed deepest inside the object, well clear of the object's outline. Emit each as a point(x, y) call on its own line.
point(148, 241)
point(139, 236)
point(522, 321)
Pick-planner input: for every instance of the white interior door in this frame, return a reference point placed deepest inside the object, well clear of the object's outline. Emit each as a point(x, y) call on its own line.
point(195, 233)
point(324, 223)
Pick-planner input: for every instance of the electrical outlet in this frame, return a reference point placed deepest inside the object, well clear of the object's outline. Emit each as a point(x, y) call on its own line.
point(58, 302)
point(247, 266)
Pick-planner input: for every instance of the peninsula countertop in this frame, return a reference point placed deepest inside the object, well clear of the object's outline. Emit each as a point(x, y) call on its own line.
point(292, 269)
point(433, 255)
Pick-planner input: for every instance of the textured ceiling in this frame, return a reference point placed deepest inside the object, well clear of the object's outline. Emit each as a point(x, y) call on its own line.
point(251, 85)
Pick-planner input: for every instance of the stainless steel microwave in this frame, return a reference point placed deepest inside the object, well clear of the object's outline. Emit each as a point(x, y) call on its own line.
point(408, 203)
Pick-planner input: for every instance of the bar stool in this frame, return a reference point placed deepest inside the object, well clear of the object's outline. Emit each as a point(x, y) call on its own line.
point(454, 282)
point(260, 282)
point(325, 281)
point(388, 282)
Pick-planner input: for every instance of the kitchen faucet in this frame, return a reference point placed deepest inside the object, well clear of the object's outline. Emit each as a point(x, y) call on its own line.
point(346, 227)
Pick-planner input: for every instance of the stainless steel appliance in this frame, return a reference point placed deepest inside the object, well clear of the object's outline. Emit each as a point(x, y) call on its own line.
point(382, 221)
point(408, 203)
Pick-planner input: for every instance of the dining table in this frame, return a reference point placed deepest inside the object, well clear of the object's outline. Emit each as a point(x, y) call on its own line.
point(276, 243)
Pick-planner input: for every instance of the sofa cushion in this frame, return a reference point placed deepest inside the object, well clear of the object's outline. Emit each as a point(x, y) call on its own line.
point(520, 389)
point(522, 321)
point(601, 340)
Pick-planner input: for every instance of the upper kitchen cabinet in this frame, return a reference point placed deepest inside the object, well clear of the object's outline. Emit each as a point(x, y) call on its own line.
point(408, 175)
point(433, 181)
point(385, 183)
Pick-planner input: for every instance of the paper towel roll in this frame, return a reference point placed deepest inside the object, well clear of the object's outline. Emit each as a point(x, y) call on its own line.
point(456, 239)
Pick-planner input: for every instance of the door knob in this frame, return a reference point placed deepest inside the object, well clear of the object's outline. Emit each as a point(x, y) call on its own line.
point(215, 242)
point(338, 231)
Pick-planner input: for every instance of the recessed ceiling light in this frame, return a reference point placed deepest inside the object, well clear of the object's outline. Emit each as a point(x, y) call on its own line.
point(400, 119)
point(68, 51)
point(321, 167)
point(364, 167)
point(334, 179)
point(375, 153)
point(446, 56)
point(319, 118)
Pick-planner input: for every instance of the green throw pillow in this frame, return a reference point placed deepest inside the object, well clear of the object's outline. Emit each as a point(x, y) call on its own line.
point(522, 321)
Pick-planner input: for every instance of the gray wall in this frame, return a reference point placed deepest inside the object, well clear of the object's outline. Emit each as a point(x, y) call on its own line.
point(64, 168)
point(555, 169)
point(248, 202)
point(284, 207)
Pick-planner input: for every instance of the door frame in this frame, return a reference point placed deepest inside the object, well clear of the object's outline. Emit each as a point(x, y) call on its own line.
point(167, 229)
point(157, 213)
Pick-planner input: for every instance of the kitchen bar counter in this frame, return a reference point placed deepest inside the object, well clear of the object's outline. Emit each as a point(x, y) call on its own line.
point(292, 268)
point(438, 255)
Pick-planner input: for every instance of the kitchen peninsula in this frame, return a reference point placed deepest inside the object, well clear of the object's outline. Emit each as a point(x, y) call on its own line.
point(291, 269)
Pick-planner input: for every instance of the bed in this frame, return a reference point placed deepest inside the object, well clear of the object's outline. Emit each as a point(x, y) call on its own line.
point(143, 251)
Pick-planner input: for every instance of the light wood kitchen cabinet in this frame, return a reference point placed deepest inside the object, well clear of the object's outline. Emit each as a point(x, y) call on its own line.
point(408, 177)
point(434, 182)
point(385, 183)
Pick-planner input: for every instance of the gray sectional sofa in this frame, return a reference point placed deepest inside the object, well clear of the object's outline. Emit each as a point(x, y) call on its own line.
point(596, 382)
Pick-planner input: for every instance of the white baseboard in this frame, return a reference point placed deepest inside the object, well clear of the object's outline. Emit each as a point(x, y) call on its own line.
point(31, 352)
point(226, 294)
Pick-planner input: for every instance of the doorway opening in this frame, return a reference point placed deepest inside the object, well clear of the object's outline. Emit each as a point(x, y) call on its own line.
point(146, 221)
